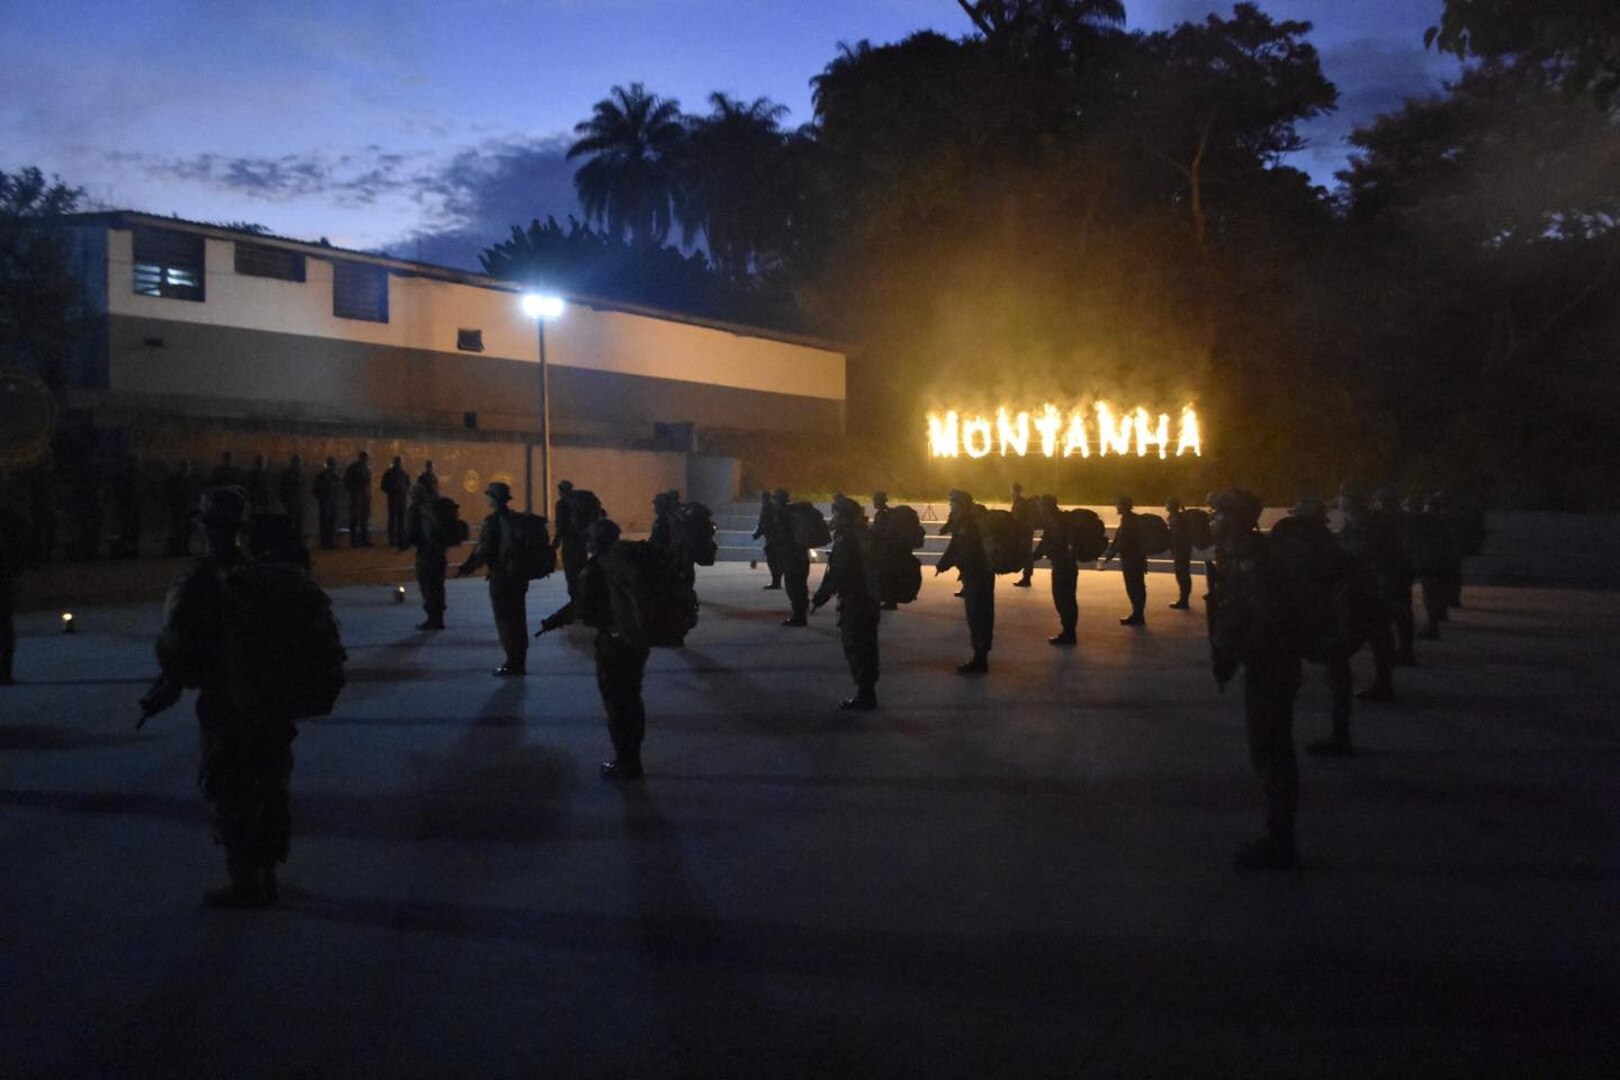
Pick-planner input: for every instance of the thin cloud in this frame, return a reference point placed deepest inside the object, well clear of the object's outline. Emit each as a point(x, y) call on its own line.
point(354, 179)
point(475, 198)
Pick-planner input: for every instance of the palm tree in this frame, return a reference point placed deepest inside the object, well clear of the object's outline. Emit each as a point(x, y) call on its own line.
point(734, 180)
point(629, 183)
point(1064, 19)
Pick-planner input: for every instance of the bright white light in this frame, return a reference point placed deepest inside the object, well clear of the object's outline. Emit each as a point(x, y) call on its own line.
point(541, 306)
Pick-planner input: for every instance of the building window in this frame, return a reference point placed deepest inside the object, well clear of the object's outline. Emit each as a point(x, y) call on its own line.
point(256, 260)
point(169, 264)
point(359, 292)
point(470, 340)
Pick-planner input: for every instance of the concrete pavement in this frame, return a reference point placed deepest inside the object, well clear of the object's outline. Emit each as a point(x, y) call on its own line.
point(1022, 875)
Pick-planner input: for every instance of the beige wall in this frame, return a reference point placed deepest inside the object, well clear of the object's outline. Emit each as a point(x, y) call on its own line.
point(425, 315)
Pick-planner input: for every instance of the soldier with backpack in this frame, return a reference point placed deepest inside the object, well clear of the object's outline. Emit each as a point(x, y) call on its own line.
point(1131, 547)
point(766, 528)
point(694, 538)
point(849, 578)
point(1249, 629)
point(234, 628)
point(633, 595)
point(896, 533)
point(801, 526)
point(1057, 547)
point(1319, 569)
point(967, 555)
point(576, 512)
point(424, 531)
point(501, 554)
point(1369, 538)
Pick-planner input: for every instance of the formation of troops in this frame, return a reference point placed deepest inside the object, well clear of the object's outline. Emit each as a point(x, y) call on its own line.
point(1277, 601)
point(106, 506)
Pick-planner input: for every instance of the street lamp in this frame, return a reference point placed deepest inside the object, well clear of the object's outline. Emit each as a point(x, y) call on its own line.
point(542, 308)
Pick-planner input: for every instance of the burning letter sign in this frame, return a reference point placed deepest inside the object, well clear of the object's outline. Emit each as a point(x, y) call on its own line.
point(1051, 432)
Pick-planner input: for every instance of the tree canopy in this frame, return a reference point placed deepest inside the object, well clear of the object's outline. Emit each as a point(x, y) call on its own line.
point(1573, 43)
point(1052, 205)
point(631, 145)
point(41, 304)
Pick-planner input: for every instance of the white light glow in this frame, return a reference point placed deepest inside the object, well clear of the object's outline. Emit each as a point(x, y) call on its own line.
point(542, 306)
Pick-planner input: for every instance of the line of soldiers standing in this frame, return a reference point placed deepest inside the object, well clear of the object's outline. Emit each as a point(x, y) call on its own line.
point(1255, 624)
point(267, 490)
point(285, 491)
point(1302, 594)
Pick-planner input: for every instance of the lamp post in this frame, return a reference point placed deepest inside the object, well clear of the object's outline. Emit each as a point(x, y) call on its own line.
point(542, 308)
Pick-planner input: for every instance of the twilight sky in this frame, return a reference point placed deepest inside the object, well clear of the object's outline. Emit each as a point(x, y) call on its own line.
point(427, 128)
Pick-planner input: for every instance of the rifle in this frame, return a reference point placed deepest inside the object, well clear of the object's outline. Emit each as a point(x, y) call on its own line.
point(161, 695)
point(561, 617)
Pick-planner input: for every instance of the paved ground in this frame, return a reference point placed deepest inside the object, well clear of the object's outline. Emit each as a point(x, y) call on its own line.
point(1024, 875)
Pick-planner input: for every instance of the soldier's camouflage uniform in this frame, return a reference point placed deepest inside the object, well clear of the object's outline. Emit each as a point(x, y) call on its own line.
point(246, 763)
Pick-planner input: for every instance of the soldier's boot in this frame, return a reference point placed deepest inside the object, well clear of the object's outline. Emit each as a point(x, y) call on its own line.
point(1267, 853)
point(979, 665)
point(1022, 583)
point(865, 700)
point(624, 766)
point(1066, 637)
point(434, 622)
point(1133, 619)
point(796, 620)
point(246, 888)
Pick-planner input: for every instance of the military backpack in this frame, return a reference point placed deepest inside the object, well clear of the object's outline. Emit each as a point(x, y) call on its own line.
point(1088, 536)
point(893, 573)
point(651, 602)
point(448, 527)
point(1326, 608)
point(584, 509)
point(693, 531)
point(807, 526)
point(904, 525)
point(526, 551)
point(282, 651)
point(1007, 541)
point(1154, 534)
point(1196, 522)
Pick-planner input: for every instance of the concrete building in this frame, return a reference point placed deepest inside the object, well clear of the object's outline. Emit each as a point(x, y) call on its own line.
point(207, 338)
